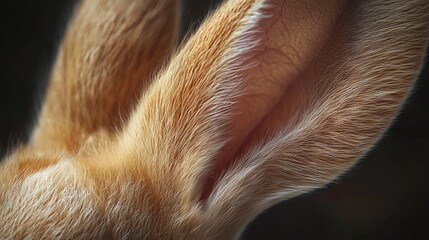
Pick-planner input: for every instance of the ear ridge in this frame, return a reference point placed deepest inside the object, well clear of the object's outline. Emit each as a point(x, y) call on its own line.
point(186, 109)
point(105, 61)
point(360, 91)
point(235, 61)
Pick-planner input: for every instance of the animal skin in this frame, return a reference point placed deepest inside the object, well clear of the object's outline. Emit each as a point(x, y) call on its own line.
point(267, 100)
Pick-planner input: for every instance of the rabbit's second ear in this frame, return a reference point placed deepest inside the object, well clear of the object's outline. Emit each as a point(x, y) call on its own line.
point(110, 51)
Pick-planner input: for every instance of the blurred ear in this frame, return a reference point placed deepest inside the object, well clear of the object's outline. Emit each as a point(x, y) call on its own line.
point(109, 52)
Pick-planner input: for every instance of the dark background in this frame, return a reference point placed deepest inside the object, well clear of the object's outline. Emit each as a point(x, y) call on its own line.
point(384, 197)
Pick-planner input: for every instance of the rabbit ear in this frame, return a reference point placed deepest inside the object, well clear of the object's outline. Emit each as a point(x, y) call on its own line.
point(334, 105)
point(105, 61)
point(271, 99)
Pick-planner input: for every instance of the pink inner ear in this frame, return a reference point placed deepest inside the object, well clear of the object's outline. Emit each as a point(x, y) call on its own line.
point(280, 84)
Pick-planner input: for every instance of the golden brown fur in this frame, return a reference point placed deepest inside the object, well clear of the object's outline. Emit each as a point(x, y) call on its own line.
point(267, 100)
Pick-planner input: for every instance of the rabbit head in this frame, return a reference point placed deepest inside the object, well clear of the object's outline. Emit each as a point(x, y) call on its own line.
point(267, 100)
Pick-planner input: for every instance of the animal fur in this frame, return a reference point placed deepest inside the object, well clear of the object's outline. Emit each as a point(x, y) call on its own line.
point(269, 99)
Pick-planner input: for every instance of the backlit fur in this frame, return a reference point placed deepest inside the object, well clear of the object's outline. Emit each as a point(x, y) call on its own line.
point(133, 144)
